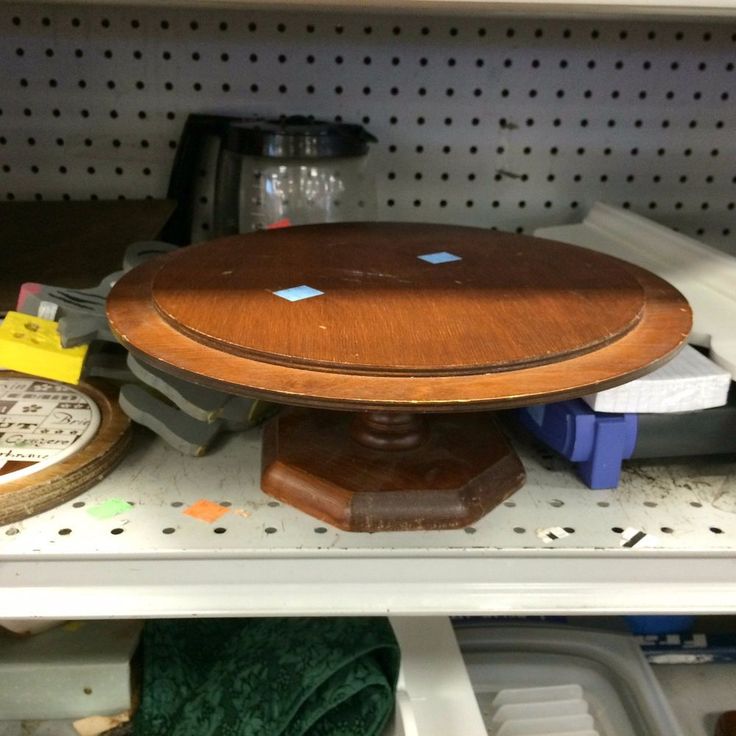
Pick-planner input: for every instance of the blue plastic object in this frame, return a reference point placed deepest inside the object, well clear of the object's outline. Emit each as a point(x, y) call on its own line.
point(596, 442)
point(659, 625)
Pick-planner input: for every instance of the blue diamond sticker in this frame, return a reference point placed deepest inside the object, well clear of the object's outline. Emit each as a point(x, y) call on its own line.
point(440, 257)
point(297, 293)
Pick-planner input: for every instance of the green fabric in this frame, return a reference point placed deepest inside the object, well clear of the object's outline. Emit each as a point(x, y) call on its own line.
point(267, 677)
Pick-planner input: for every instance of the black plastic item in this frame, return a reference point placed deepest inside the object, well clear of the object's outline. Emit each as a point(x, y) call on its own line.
point(295, 136)
point(196, 129)
point(689, 433)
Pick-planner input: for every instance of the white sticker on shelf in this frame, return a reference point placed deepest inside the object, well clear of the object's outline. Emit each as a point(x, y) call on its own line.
point(632, 537)
point(551, 534)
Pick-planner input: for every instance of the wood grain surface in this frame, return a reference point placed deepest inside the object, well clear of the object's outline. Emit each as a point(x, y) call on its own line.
point(505, 302)
point(612, 323)
point(62, 481)
point(463, 469)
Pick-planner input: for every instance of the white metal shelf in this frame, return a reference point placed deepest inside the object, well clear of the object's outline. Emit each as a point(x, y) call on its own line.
point(263, 558)
point(555, 8)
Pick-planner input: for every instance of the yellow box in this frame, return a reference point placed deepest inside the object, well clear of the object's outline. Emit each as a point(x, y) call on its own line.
point(32, 345)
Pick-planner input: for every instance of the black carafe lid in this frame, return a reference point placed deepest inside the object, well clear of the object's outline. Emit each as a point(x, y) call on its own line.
point(298, 137)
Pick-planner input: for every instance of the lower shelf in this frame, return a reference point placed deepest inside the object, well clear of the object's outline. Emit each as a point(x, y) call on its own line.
point(448, 678)
point(434, 694)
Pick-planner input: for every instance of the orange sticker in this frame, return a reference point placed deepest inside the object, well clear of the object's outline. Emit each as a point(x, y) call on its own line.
point(283, 222)
point(205, 510)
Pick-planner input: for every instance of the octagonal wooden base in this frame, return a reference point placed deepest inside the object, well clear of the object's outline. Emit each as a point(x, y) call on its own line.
point(334, 466)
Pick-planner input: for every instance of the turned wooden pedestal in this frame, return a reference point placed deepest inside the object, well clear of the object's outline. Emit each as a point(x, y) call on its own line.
point(381, 471)
point(395, 335)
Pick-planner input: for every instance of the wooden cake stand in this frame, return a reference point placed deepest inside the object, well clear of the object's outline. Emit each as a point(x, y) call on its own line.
point(405, 328)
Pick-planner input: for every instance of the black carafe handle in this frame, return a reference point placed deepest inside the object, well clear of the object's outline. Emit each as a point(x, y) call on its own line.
point(197, 128)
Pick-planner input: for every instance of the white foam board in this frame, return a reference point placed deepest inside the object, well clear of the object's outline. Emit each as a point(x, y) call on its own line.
point(689, 382)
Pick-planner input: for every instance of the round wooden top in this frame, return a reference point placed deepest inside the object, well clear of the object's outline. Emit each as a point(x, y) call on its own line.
point(400, 299)
point(397, 316)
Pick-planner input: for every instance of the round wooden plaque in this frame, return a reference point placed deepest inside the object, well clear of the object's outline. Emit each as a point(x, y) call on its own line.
point(56, 440)
point(398, 316)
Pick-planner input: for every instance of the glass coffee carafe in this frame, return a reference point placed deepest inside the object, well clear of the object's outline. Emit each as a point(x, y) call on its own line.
point(245, 174)
point(292, 172)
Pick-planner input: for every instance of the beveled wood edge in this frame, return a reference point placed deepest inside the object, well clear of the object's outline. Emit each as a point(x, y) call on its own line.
point(37, 492)
point(659, 335)
point(277, 359)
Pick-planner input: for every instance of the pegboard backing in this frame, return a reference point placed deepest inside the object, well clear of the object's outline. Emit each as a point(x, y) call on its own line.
point(513, 123)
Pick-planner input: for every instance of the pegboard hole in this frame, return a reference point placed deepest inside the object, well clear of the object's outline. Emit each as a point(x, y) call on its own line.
point(117, 530)
point(519, 530)
point(65, 532)
point(270, 530)
point(650, 504)
point(667, 530)
point(12, 531)
point(219, 530)
point(320, 530)
point(168, 530)
point(78, 504)
point(470, 530)
point(716, 530)
point(616, 529)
